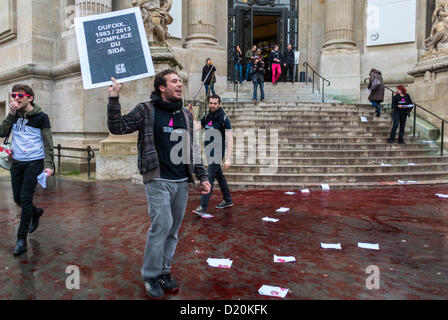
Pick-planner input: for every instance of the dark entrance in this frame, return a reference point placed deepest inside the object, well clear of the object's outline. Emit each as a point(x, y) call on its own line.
point(263, 23)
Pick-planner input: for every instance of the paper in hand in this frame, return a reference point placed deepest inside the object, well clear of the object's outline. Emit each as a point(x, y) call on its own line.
point(42, 179)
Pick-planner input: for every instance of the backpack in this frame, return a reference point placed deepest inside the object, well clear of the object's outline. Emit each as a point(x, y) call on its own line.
point(376, 82)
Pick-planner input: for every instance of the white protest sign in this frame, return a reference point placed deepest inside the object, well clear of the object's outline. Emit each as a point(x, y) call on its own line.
point(113, 44)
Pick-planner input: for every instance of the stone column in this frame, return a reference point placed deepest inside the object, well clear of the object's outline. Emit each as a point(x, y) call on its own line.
point(90, 7)
point(340, 58)
point(201, 22)
point(339, 24)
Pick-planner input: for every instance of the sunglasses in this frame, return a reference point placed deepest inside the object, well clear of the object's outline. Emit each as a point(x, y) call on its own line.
point(19, 95)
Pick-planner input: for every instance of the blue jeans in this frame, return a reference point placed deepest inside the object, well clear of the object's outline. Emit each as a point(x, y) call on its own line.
point(239, 72)
point(377, 105)
point(247, 71)
point(211, 86)
point(261, 84)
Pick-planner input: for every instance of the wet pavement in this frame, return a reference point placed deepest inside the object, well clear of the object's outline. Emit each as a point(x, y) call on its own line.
point(101, 228)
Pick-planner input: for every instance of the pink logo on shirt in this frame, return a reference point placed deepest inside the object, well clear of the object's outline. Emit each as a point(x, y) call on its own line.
point(210, 123)
point(171, 123)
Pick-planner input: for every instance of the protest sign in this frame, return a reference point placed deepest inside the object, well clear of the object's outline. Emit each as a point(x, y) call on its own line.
point(113, 44)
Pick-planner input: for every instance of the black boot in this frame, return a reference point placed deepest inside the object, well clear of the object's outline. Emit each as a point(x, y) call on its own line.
point(35, 221)
point(20, 246)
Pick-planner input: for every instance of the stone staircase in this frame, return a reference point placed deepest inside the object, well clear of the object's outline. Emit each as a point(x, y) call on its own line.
point(325, 143)
point(282, 92)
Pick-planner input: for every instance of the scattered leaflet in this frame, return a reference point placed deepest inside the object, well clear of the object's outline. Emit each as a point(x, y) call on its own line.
point(282, 210)
point(305, 191)
point(271, 291)
point(371, 246)
point(289, 193)
point(363, 119)
point(270, 219)
point(445, 196)
point(336, 246)
point(220, 263)
point(284, 259)
point(325, 186)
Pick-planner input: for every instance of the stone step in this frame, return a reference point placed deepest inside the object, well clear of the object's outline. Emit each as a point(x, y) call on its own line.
point(348, 153)
point(342, 161)
point(336, 177)
point(338, 146)
point(272, 123)
point(316, 187)
point(341, 140)
point(316, 129)
point(301, 117)
point(330, 169)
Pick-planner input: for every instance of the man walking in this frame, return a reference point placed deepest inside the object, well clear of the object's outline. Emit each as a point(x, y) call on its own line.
point(275, 59)
point(288, 63)
point(166, 179)
point(32, 153)
point(217, 125)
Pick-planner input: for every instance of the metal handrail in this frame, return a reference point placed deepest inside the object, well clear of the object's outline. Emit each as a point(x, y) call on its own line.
point(88, 149)
point(307, 65)
point(415, 117)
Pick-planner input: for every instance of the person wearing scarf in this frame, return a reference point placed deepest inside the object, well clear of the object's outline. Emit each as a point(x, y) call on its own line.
point(166, 179)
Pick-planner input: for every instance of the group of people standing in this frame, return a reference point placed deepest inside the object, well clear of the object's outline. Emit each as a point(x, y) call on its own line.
point(402, 104)
point(256, 66)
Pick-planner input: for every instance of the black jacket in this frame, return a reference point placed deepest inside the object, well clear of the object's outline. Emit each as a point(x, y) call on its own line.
point(237, 57)
point(211, 77)
point(141, 119)
point(275, 55)
point(399, 100)
point(257, 73)
point(289, 57)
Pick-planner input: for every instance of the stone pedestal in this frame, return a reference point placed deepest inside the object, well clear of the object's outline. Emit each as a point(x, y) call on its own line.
point(117, 158)
point(430, 90)
point(340, 59)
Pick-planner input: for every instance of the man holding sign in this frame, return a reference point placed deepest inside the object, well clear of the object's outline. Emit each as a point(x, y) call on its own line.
point(166, 174)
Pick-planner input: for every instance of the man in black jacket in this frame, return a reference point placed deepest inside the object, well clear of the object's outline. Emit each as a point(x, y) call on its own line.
point(217, 126)
point(288, 63)
point(166, 174)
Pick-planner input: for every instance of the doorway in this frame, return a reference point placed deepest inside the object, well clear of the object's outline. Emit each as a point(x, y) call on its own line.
point(265, 35)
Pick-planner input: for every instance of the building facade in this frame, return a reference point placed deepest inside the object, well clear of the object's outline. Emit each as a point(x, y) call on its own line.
point(331, 35)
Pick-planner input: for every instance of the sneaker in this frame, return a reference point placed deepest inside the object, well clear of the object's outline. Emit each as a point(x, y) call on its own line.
point(167, 283)
point(255, 101)
point(35, 220)
point(153, 288)
point(224, 204)
point(199, 210)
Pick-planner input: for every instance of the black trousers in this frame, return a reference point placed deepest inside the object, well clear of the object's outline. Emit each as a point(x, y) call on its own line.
point(289, 72)
point(215, 172)
point(399, 118)
point(24, 179)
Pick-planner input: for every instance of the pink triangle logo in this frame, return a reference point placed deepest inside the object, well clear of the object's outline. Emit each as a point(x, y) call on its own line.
point(171, 123)
point(210, 123)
